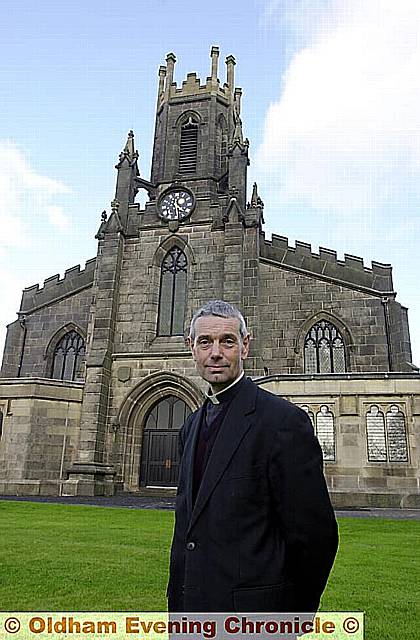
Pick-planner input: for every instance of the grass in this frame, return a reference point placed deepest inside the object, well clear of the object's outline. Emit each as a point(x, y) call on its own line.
point(58, 557)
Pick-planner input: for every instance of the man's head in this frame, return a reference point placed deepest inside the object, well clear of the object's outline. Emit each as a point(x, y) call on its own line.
point(219, 343)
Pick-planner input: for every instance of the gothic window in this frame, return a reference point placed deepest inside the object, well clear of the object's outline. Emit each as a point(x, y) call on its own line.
point(325, 432)
point(324, 349)
point(68, 358)
point(396, 435)
point(1, 424)
point(173, 289)
point(188, 147)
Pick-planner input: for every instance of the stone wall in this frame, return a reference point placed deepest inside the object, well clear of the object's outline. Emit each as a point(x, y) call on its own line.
point(290, 302)
point(354, 480)
point(40, 434)
point(46, 311)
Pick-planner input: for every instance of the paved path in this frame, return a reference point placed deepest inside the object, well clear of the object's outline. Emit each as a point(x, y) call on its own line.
point(130, 501)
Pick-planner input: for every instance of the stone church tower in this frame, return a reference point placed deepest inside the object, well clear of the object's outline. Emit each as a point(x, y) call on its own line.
point(96, 376)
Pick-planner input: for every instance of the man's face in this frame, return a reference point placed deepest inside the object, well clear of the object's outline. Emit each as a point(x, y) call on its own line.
point(218, 350)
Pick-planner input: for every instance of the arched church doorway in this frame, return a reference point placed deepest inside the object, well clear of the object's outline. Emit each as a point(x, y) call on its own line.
point(160, 456)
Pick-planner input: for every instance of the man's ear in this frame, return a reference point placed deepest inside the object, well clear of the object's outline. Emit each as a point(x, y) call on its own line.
point(245, 346)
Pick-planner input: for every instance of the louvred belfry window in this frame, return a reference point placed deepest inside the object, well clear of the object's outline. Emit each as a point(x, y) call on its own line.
point(188, 147)
point(324, 349)
point(173, 289)
point(69, 356)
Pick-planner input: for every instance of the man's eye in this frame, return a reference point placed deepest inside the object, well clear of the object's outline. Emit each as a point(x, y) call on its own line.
point(203, 343)
point(229, 342)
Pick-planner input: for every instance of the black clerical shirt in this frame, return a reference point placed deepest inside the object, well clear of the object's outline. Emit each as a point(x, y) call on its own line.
point(214, 412)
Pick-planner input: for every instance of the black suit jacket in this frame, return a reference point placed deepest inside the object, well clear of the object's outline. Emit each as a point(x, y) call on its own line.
point(262, 535)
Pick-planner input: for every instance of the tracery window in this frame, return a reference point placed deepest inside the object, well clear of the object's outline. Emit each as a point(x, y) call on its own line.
point(188, 147)
point(1, 424)
point(386, 437)
point(326, 433)
point(173, 289)
point(68, 358)
point(324, 349)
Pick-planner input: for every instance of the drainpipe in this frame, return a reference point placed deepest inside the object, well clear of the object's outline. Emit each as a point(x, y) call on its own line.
point(385, 303)
point(22, 322)
point(63, 450)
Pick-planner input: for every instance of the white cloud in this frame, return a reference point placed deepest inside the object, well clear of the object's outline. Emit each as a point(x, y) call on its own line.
point(58, 218)
point(345, 133)
point(28, 211)
point(340, 157)
point(27, 197)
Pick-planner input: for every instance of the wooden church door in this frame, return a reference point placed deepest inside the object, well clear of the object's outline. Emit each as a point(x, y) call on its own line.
point(160, 457)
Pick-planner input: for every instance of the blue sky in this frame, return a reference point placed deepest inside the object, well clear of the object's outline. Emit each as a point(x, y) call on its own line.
point(331, 106)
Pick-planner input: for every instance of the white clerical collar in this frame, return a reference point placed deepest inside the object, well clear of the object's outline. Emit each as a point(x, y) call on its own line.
point(213, 396)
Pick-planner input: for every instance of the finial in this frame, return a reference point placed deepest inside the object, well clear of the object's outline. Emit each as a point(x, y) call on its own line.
point(104, 216)
point(162, 74)
point(214, 54)
point(115, 205)
point(230, 77)
point(237, 99)
point(254, 196)
point(129, 151)
point(237, 134)
point(170, 63)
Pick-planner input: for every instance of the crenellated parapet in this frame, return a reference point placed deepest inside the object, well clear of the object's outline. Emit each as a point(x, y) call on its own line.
point(351, 271)
point(192, 86)
point(75, 279)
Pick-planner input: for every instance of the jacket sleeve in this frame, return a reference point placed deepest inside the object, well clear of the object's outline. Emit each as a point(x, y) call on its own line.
point(303, 510)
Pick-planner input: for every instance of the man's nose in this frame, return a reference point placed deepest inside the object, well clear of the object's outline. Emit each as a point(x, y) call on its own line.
point(215, 350)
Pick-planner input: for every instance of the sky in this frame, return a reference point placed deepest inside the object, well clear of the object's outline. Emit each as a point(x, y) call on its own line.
point(331, 106)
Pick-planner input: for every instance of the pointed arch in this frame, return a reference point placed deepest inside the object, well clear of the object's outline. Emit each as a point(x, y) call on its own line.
point(166, 245)
point(325, 432)
point(325, 343)
point(172, 293)
point(188, 125)
point(172, 258)
point(185, 116)
point(66, 353)
point(134, 411)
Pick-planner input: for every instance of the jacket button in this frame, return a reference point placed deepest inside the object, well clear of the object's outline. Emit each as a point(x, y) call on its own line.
point(190, 546)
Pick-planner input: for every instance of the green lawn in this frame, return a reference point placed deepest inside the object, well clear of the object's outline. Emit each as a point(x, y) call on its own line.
point(58, 557)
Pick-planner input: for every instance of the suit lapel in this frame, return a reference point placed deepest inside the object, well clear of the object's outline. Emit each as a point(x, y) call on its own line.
point(189, 458)
point(236, 423)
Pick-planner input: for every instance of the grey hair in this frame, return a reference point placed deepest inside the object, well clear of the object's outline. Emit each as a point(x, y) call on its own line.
point(221, 309)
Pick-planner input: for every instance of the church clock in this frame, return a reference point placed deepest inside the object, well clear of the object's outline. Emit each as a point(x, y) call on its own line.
point(176, 204)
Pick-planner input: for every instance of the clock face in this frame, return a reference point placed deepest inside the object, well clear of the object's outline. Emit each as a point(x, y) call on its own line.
point(176, 204)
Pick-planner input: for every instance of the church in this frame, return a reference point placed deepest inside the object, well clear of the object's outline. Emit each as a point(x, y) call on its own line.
point(96, 378)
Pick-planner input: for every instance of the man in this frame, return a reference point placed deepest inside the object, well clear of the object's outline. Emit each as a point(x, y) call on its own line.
point(254, 530)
